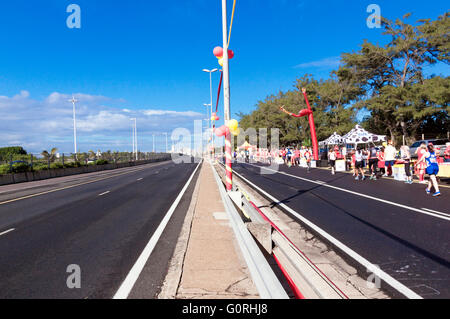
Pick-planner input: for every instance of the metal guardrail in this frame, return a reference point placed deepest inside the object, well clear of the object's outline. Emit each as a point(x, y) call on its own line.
point(265, 280)
point(305, 278)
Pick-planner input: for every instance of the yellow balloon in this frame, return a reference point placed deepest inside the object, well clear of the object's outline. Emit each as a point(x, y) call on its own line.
point(236, 132)
point(221, 61)
point(233, 125)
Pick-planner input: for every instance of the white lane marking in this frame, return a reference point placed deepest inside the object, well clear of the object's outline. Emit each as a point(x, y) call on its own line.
point(435, 211)
point(7, 231)
point(133, 275)
point(140, 179)
point(72, 186)
point(371, 267)
point(359, 194)
point(107, 192)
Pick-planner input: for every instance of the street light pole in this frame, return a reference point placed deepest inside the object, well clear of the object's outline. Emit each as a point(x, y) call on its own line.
point(210, 104)
point(73, 100)
point(135, 147)
point(226, 98)
point(167, 146)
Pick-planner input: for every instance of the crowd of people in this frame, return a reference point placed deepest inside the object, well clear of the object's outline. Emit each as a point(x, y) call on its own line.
point(379, 160)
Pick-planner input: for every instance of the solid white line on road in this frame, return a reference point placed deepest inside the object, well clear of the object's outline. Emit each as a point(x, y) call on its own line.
point(7, 231)
point(140, 179)
point(133, 275)
point(435, 211)
point(359, 194)
point(107, 192)
point(369, 266)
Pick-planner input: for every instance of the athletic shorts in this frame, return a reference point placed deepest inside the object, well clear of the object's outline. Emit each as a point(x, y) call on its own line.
point(432, 170)
point(359, 164)
point(332, 163)
point(389, 163)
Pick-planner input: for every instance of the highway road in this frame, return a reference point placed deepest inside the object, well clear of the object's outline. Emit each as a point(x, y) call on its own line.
point(395, 226)
point(99, 222)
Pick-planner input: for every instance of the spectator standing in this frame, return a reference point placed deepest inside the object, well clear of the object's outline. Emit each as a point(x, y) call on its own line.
point(389, 158)
point(447, 152)
point(405, 155)
point(373, 162)
point(359, 164)
point(332, 160)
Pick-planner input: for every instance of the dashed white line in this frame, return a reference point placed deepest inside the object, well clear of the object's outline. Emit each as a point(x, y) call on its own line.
point(7, 231)
point(140, 179)
point(104, 193)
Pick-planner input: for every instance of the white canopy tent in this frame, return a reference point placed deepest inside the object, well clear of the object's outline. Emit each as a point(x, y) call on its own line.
point(358, 135)
point(334, 139)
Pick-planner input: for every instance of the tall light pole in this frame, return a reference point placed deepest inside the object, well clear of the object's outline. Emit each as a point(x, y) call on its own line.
point(153, 143)
point(226, 97)
point(73, 101)
point(167, 145)
point(210, 93)
point(135, 143)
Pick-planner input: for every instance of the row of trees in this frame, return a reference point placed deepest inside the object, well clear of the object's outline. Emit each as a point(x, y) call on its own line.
point(386, 82)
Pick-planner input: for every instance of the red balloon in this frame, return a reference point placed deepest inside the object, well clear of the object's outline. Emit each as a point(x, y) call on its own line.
point(230, 54)
point(218, 52)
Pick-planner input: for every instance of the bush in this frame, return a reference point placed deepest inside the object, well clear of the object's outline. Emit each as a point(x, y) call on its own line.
point(56, 165)
point(72, 164)
point(4, 169)
point(20, 168)
point(40, 167)
point(101, 162)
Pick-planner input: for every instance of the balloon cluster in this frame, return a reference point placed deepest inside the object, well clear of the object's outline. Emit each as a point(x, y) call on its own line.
point(214, 117)
point(218, 52)
point(231, 127)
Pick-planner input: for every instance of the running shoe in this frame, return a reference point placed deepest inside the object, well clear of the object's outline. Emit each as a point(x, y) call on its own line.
point(363, 178)
point(427, 190)
point(357, 178)
point(437, 194)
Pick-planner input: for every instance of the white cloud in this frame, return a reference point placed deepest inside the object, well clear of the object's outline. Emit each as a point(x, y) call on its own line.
point(42, 124)
point(330, 62)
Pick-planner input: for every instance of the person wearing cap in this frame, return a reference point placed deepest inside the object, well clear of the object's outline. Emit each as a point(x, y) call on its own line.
point(432, 169)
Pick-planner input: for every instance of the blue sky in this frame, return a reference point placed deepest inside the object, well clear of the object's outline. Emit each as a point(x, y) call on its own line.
point(144, 58)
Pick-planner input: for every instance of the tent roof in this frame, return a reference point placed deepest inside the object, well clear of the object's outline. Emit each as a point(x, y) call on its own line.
point(334, 139)
point(359, 135)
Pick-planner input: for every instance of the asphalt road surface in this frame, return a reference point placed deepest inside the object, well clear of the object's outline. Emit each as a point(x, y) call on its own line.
point(393, 225)
point(99, 222)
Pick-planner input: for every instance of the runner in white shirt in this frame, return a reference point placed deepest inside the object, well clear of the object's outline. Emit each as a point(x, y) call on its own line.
point(332, 160)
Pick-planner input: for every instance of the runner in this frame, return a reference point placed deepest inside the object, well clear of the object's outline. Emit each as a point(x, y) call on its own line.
point(359, 164)
point(288, 157)
point(308, 159)
point(380, 157)
point(421, 166)
point(373, 162)
point(332, 160)
point(297, 157)
point(354, 163)
point(432, 169)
